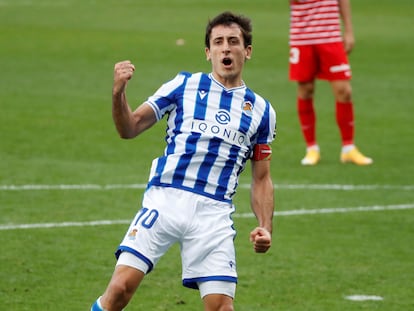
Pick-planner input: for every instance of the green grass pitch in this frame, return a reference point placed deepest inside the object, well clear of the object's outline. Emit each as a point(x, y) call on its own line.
point(61, 161)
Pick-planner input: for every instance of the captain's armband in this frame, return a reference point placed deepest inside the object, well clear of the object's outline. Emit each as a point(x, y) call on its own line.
point(262, 152)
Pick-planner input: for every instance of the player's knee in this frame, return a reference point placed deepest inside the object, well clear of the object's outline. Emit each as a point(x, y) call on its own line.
point(345, 96)
point(118, 289)
point(218, 305)
point(343, 92)
point(306, 90)
point(226, 307)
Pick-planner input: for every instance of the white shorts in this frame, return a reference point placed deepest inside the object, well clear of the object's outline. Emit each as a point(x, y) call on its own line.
point(202, 226)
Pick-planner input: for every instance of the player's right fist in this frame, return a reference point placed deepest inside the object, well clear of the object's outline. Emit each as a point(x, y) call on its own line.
point(123, 71)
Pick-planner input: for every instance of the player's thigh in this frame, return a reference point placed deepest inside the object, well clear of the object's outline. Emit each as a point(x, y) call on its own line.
point(214, 302)
point(303, 64)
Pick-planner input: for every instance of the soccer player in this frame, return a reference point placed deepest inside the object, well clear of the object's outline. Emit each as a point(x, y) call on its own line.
point(319, 51)
point(215, 124)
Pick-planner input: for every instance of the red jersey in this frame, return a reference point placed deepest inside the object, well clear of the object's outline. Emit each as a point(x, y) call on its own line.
point(314, 22)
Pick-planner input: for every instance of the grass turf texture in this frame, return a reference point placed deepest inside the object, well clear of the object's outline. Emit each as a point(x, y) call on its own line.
point(56, 60)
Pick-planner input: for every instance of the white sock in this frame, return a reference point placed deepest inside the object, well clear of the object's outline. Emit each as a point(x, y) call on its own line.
point(313, 147)
point(97, 305)
point(347, 148)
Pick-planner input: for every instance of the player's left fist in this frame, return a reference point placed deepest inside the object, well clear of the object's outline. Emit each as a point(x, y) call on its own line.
point(261, 239)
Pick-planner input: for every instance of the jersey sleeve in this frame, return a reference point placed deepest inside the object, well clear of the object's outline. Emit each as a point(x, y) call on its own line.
point(262, 149)
point(267, 128)
point(165, 98)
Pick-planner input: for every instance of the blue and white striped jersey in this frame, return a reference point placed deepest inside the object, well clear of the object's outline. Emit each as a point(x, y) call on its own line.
point(211, 132)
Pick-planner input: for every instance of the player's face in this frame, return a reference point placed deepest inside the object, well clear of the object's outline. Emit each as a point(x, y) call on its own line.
point(227, 54)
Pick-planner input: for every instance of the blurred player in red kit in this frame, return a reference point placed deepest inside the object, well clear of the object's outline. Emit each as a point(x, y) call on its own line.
point(318, 50)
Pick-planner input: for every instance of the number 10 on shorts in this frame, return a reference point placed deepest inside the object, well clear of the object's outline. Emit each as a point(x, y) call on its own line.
point(147, 217)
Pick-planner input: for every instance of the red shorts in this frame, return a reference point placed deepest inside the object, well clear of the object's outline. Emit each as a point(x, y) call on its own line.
point(326, 61)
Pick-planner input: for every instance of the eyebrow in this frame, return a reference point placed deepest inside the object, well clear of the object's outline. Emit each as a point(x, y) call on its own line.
point(226, 37)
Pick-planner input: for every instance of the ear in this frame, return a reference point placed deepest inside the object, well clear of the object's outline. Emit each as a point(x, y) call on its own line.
point(208, 54)
point(249, 52)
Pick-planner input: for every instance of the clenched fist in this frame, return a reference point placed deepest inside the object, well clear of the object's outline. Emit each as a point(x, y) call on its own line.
point(261, 239)
point(123, 72)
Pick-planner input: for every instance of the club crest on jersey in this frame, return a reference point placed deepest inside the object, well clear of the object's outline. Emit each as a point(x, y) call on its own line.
point(247, 108)
point(132, 234)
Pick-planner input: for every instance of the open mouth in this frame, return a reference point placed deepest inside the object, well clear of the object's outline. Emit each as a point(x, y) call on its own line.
point(227, 61)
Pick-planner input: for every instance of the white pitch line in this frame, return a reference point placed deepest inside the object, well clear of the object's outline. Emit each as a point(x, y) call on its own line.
point(30, 187)
point(364, 298)
point(344, 187)
point(64, 224)
point(375, 208)
point(70, 187)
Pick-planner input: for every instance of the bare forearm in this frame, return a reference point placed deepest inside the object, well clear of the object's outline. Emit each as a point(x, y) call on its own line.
point(122, 114)
point(348, 37)
point(262, 203)
point(345, 11)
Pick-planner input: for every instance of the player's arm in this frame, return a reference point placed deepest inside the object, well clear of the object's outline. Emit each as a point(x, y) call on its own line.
point(345, 11)
point(128, 123)
point(262, 203)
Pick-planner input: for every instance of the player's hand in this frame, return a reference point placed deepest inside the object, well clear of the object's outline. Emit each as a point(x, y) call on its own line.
point(123, 72)
point(261, 239)
point(349, 42)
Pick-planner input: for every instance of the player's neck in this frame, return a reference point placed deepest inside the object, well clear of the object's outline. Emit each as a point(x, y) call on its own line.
point(229, 81)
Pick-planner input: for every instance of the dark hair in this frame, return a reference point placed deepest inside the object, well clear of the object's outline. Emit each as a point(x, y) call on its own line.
point(227, 18)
